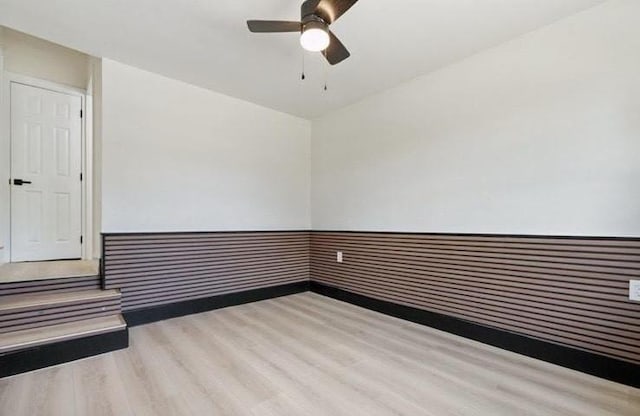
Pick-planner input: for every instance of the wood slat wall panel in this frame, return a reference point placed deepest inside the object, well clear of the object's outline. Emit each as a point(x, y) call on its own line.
point(570, 291)
point(70, 284)
point(161, 268)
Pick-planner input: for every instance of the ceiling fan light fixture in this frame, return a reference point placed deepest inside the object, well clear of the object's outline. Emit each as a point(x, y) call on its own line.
point(313, 28)
point(315, 36)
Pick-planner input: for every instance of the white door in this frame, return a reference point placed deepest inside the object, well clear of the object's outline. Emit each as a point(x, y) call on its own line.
point(45, 174)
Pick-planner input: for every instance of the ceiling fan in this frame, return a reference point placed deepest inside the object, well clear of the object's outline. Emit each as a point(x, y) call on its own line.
point(315, 16)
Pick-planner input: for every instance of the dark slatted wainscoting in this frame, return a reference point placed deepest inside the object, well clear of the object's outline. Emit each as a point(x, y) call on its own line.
point(567, 291)
point(165, 268)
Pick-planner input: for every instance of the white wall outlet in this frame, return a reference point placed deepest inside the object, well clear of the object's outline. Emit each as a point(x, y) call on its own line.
point(634, 290)
point(339, 256)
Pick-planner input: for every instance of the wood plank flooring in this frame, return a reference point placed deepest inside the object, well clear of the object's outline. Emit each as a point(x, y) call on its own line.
point(308, 355)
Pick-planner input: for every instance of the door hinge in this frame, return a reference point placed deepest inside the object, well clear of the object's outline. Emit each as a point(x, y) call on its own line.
point(80, 176)
point(80, 113)
point(80, 239)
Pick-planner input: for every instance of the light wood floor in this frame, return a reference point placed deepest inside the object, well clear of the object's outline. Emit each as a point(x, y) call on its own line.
point(308, 355)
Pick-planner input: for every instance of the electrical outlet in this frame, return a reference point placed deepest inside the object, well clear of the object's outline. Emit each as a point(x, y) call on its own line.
point(339, 256)
point(634, 290)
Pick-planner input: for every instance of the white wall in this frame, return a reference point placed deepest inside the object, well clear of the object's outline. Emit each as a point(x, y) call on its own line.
point(38, 58)
point(538, 136)
point(176, 157)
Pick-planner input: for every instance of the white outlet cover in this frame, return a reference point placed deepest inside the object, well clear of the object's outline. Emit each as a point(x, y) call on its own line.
point(634, 290)
point(339, 256)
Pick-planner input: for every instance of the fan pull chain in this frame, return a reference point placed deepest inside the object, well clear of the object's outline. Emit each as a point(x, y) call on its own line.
point(303, 77)
point(326, 70)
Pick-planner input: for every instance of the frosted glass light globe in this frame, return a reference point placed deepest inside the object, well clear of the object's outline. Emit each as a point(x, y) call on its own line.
point(314, 39)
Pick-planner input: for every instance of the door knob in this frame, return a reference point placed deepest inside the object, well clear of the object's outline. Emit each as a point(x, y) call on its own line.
point(20, 182)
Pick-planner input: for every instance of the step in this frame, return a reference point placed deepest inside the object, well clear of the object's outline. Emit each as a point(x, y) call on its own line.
point(67, 284)
point(16, 303)
point(20, 312)
point(30, 338)
point(42, 270)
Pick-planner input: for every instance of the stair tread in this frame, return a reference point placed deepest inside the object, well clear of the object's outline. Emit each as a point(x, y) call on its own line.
point(46, 270)
point(29, 338)
point(20, 302)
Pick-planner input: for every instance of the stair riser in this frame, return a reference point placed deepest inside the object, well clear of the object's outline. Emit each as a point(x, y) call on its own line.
point(38, 310)
point(45, 306)
point(58, 318)
point(71, 284)
point(31, 313)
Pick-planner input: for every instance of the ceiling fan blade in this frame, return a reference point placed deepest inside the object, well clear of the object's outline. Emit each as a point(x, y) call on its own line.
point(336, 52)
point(331, 10)
point(273, 26)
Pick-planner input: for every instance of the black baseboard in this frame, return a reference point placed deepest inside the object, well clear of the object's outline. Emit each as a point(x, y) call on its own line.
point(586, 362)
point(188, 307)
point(62, 352)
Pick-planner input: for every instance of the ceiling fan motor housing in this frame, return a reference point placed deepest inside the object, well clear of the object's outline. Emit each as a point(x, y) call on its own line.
point(314, 22)
point(308, 8)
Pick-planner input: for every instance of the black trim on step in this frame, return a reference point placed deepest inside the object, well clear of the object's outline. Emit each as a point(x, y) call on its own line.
point(61, 352)
point(586, 362)
point(188, 307)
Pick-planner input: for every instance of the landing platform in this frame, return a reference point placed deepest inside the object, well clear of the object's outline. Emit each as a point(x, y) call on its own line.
point(41, 270)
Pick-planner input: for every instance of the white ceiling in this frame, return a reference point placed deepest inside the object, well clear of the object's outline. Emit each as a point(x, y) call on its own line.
point(206, 42)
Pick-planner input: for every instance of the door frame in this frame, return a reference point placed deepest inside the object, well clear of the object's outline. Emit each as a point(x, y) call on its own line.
point(86, 163)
